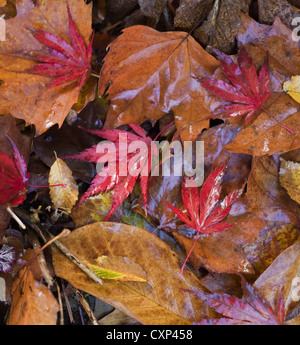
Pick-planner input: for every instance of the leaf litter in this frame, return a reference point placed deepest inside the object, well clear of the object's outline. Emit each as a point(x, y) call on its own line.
point(77, 76)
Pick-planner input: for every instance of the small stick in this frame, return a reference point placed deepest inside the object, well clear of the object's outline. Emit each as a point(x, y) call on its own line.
point(85, 305)
point(60, 305)
point(67, 302)
point(16, 218)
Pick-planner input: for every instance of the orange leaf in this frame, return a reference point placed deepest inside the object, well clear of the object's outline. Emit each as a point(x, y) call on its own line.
point(28, 96)
point(32, 302)
point(151, 73)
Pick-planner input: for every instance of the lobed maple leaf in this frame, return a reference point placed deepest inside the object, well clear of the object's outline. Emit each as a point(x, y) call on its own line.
point(122, 185)
point(248, 90)
point(13, 178)
point(65, 62)
point(204, 214)
point(252, 309)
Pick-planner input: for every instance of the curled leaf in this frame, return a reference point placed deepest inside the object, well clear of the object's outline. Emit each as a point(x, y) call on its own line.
point(65, 195)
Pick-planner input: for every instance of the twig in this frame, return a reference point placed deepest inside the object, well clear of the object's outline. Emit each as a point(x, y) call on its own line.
point(85, 305)
point(60, 246)
point(60, 305)
point(17, 219)
point(67, 302)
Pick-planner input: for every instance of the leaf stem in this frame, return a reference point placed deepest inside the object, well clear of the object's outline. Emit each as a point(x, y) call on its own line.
point(163, 130)
point(278, 121)
point(190, 252)
point(16, 218)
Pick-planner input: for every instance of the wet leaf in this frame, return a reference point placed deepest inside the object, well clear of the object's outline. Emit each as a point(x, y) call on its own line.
point(252, 309)
point(266, 134)
point(289, 177)
point(284, 273)
point(32, 302)
point(21, 91)
point(266, 197)
point(117, 268)
point(137, 97)
point(160, 300)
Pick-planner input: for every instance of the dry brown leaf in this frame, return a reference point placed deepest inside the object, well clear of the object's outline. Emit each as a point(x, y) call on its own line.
point(26, 96)
point(150, 73)
point(289, 177)
point(160, 300)
point(152, 9)
point(32, 303)
point(62, 197)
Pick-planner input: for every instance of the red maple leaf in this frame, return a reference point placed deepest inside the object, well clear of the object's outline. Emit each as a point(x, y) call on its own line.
point(247, 92)
point(252, 309)
point(64, 62)
point(204, 215)
point(13, 178)
point(122, 185)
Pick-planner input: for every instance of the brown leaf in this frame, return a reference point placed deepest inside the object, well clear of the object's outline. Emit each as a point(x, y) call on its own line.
point(271, 242)
point(159, 301)
point(284, 273)
point(266, 198)
point(289, 177)
point(155, 74)
point(152, 9)
point(190, 12)
point(32, 303)
point(265, 135)
point(21, 92)
point(222, 25)
point(269, 10)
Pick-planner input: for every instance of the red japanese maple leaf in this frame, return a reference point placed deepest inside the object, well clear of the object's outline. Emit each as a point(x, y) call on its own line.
point(204, 215)
point(248, 91)
point(13, 178)
point(252, 309)
point(64, 62)
point(122, 185)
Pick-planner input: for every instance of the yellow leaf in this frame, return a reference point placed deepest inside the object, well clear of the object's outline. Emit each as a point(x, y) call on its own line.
point(118, 268)
point(292, 87)
point(63, 198)
point(289, 177)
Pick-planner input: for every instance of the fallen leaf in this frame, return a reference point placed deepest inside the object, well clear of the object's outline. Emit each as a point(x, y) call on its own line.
point(248, 90)
point(170, 61)
point(269, 244)
point(222, 25)
point(22, 91)
point(292, 87)
point(32, 303)
point(117, 268)
point(191, 12)
point(205, 211)
point(160, 301)
point(152, 9)
point(265, 135)
point(63, 197)
point(269, 10)
point(266, 198)
point(289, 177)
point(252, 309)
point(283, 273)
point(137, 164)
